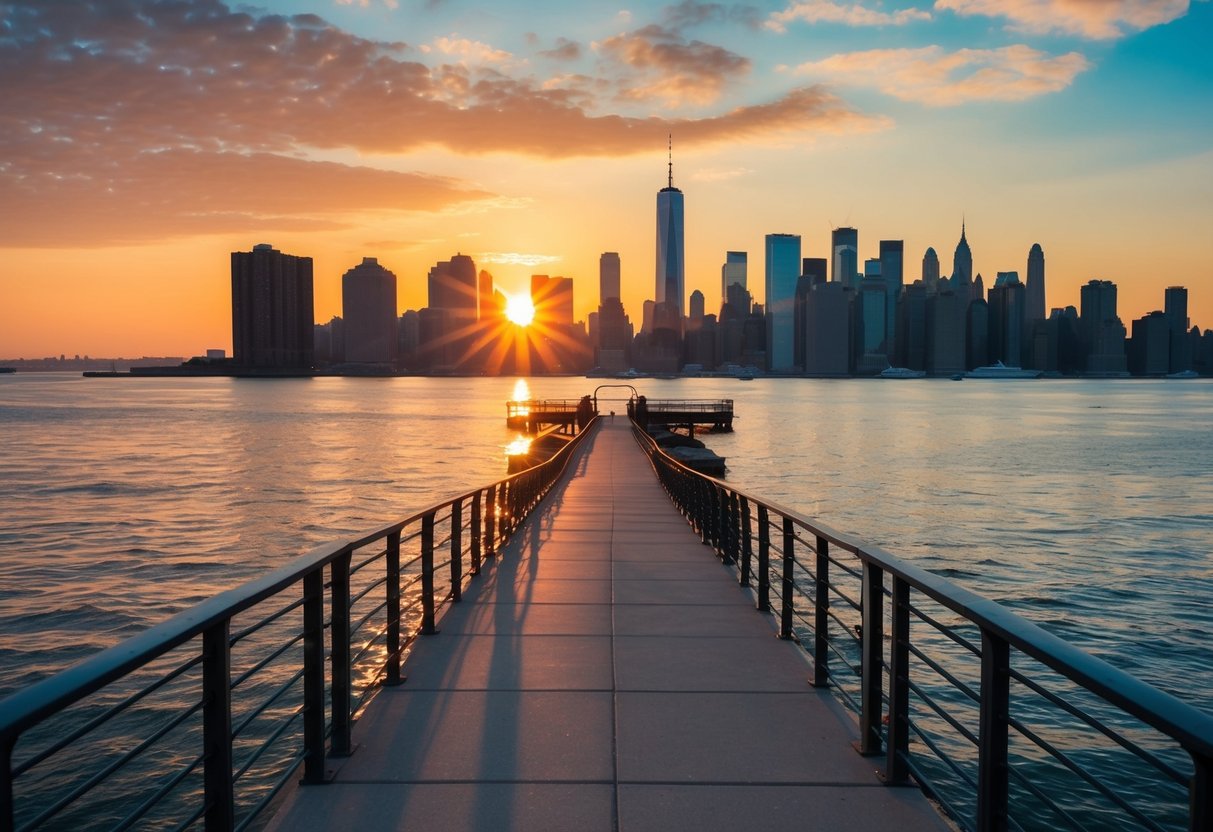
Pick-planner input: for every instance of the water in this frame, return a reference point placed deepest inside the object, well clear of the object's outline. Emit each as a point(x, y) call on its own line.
point(1085, 505)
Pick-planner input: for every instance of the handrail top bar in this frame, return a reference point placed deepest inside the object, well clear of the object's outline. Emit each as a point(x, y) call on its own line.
point(1190, 726)
point(27, 706)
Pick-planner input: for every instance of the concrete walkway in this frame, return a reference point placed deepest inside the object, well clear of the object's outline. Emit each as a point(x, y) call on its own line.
point(606, 673)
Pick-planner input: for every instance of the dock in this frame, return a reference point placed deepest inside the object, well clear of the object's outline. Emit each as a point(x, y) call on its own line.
point(605, 671)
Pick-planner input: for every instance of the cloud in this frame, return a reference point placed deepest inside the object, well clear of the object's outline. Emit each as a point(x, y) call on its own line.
point(849, 14)
point(665, 66)
point(366, 4)
point(1094, 19)
point(467, 51)
point(932, 76)
point(719, 174)
point(202, 119)
point(564, 50)
point(694, 13)
point(516, 258)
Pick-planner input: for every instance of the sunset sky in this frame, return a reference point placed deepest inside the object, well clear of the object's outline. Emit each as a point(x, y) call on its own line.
point(142, 141)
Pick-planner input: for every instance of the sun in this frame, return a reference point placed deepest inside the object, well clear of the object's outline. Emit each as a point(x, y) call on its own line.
point(520, 310)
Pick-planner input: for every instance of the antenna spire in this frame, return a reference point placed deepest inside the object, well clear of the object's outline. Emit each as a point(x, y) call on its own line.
point(671, 162)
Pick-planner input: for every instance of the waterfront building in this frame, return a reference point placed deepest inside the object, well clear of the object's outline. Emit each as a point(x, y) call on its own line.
point(782, 271)
point(1149, 350)
point(844, 252)
point(671, 265)
point(827, 329)
point(368, 307)
point(272, 310)
point(409, 334)
point(1035, 291)
point(977, 334)
point(697, 304)
point(892, 266)
point(946, 329)
point(453, 287)
point(608, 276)
point(911, 346)
point(1103, 334)
point(1006, 320)
point(871, 301)
point(731, 326)
point(488, 309)
point(930, 271)
point(552, 298)
point(732, 272)
point(813, 271)
point(1176, 311)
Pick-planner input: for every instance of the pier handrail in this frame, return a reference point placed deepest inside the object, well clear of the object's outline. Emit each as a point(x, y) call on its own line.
point(493, 513)
point(808, 589)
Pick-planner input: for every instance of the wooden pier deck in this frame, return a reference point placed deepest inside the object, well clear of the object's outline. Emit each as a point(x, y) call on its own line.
point(605, 672)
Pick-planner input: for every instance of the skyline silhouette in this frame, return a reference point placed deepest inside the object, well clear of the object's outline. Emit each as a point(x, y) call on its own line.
point(144, 142)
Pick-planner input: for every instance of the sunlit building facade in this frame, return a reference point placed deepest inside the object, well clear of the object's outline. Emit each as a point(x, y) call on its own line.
point(782, 272)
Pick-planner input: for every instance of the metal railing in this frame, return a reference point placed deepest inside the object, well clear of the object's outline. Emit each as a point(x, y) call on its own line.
point(1004, 724)
point(205, 717)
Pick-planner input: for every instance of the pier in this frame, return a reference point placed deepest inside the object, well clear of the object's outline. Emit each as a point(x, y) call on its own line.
point(606, 673)
point(536, 414)
point(606, 640)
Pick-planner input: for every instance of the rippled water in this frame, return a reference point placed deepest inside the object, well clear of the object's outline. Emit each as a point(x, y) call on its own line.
point(1085, 505)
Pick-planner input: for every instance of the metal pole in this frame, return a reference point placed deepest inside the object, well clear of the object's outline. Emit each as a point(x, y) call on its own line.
point(897, 768)
point(821, 616)
point(457, 551)
point(392, 568)
point(992, 769)
point(217, 727)
point(476, 544)
point(1200, 792)
point(871, 707)
point(789, 560)
point(747, 546)
point(764, 560)
point(342, 677)
point(7, 808)
point(313, 677)
point(427, 575)
point(490, 534)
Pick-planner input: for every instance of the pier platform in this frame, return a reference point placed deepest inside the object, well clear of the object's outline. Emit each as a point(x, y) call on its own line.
point(606, 672)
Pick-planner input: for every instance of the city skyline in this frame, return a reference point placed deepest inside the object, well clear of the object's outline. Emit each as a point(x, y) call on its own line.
point(1075, 126)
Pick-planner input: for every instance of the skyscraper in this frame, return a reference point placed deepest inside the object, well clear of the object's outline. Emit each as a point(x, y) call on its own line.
point(608, 276)
point(1006, 320)
point(671, 266)
point(1035, 295)
point(453, 287)
point(368, 309)
point(782, 271)
point(962, 265)
point(930, 271)
point(272, 309)
point(733, 271)
point(552, 298)
point(892, 266)
point(1176, 311)
point(844, 244)
point(1102, 333)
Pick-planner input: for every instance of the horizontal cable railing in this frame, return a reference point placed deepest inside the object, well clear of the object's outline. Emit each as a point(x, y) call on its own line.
point(204, 718)
point(1004, 724)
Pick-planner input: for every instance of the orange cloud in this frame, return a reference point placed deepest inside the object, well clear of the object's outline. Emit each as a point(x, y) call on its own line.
point(1095, 19)
point(662, 64)
point(943, 79)
point(849, 14)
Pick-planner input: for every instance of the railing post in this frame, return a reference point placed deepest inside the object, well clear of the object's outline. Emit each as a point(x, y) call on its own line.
point(897, 768)
point(427, 575)
point(217, 727)
point(872, 645)
point(702, 512)
point(735, 526)
point(1200, 795)
point(392, 570)
point(764, 560)
point(490, 511)
point(457, 551)
point(476, 534)
point(313, 677)
point(747, 546)
point(342, 675)
point(789, 561)
point(821, 616)
point(722, 525)
point(992, 770)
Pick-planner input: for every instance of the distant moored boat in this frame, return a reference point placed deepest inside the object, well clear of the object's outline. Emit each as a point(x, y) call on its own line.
point(1000, 370)
point(902, 372)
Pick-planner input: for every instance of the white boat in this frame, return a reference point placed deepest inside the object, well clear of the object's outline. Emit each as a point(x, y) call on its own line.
point(902, 372)
point(1184, 374)
point(1000, 370)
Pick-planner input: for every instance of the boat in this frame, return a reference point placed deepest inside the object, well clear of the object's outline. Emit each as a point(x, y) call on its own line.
point(998, 370)
point(1184, 374)
point(901, 372)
